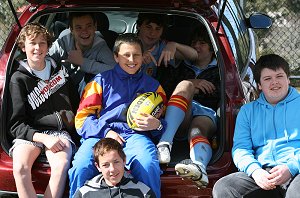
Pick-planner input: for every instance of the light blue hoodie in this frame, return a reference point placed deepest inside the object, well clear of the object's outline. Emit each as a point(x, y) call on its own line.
point(266, 135)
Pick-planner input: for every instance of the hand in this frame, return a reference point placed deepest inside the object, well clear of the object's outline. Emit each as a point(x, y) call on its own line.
point(167, 54)
point(262, 179)
point(205, 86)
point(75, 56)
point(114, 135)
point(55, 144)
point(280, 174)
point(146, 122)
point(148, 58)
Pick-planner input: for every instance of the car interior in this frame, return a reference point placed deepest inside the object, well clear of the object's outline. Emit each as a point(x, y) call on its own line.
point(111, 24)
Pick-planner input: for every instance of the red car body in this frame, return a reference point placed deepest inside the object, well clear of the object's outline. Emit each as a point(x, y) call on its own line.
point(232, 62)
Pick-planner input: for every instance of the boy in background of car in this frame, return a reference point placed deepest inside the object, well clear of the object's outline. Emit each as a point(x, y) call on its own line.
point(150, 29)
point(204, 86)
point(102, 113)
point(41, 113)
point(266, 138)
point(110, 160)
point(82, 51)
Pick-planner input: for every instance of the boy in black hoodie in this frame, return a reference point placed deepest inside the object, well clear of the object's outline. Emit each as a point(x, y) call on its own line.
point(113, 181)
point(41, 113)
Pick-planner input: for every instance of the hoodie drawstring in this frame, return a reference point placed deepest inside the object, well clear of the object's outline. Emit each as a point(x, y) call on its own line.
point(284, 122)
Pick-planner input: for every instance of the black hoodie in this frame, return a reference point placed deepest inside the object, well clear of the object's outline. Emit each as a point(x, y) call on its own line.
point(127, 188)
point(36, 105)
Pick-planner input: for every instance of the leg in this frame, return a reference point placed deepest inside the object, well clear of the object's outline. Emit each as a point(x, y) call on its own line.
point(292, 190)
point(202, 128)
point(24, 156)
point(200, 151)
point(141, 159)
point(83, 167)
point(238, 185)
point(59, 163)
point(176, 110)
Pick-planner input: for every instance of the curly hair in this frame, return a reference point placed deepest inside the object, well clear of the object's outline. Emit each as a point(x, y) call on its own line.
point(33, 30)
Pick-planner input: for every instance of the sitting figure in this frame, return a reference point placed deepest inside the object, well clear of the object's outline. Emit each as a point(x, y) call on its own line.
point(198, 80)
point(266, 138)
point(102, 113)
point(157, 51)
point(83, 52)
point(110, 160)
point(41, 115)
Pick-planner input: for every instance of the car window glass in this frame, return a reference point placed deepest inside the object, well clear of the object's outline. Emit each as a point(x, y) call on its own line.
point(237, 33)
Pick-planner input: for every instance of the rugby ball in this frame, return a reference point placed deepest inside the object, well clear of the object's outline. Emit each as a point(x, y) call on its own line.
point(149, 102)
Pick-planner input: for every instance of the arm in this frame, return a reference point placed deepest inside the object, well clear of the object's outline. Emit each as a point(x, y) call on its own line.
point(87, 120)
point(95, 60)
point(242, 151)
point(58, 51)
point(179, 51)
point(18, 118)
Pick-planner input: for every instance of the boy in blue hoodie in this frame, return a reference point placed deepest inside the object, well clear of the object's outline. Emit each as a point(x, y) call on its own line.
point(266, 143)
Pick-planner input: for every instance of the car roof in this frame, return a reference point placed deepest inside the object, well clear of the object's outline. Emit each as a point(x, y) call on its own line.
point(129, 3)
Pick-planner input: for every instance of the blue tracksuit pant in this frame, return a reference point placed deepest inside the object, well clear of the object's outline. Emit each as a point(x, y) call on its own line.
point(141, 160)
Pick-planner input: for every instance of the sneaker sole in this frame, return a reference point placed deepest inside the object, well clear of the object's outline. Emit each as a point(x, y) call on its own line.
point(183, 171)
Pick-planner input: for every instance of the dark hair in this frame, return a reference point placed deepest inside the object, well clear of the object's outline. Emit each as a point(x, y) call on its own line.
point(129, 38)
point(105, 145)
point(33, 30)
point(73, 15)
point(270, 61)
point(200, 33)
point(159, 19)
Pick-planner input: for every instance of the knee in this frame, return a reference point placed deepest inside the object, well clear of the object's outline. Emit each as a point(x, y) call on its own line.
point(21, 169)
point(60, 166)
point(186, 85)
point(217, 189)
point(185, 88)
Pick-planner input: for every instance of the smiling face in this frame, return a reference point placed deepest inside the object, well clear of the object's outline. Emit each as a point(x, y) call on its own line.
point(112, 167)
point(129, 57)
point(36, 48)
point(274, 84)
point(150, 34)
point(83, 29)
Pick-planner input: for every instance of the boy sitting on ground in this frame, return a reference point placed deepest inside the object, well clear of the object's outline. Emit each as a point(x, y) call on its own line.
point(110, 160)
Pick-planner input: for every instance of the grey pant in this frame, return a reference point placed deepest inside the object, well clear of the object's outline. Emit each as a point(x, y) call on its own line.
point(239, 184)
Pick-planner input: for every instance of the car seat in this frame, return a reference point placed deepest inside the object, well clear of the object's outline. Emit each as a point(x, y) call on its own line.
point(103, 27)
point(180, 29)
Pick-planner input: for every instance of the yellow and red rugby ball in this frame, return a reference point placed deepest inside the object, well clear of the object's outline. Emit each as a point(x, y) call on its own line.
point(149, 102)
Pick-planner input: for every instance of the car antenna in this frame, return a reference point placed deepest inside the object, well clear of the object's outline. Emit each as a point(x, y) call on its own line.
point(14, 13)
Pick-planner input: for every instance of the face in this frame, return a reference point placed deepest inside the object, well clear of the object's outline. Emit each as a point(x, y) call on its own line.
point(202, 48)
point(112, 167)
point(150, 34)
point(274, 85)
point(83, 29)
point(130, 57)
point(36, 49)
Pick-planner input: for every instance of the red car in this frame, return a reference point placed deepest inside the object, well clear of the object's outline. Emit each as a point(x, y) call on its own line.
point(234, 45)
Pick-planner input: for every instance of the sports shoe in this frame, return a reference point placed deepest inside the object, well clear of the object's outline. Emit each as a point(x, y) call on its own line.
point(196, 172)
point(164, 152)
